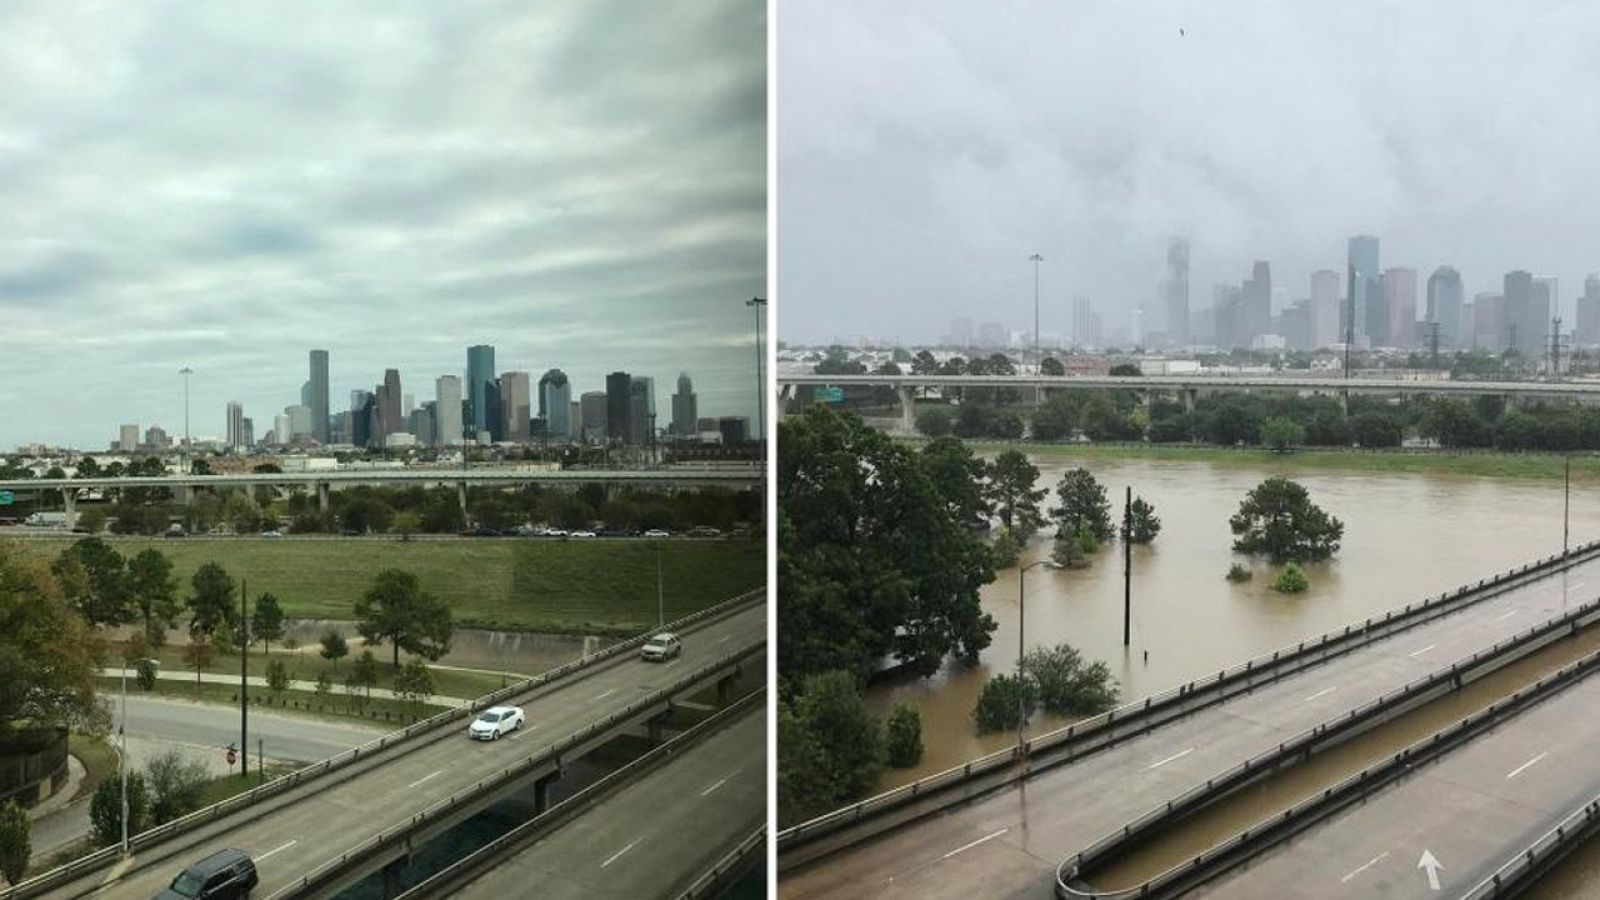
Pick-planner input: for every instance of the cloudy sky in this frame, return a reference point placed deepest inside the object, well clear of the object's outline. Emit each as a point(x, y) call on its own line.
point(228, 185)
point(927, 147)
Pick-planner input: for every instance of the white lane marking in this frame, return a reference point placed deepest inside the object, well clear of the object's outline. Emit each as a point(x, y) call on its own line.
point(1418, 653)
point(1505, 615)
point(1322, 693)
point(1178, 755)
point(526, 729)
point(725, 638)
point(1573, 587)
point(715, 786)
point(987, 837)
point(1519, 769)
point(1374, 861)
point(619, 853)
point(606, 694)
point(424, 778)
point(275, 850)
point(671, 664)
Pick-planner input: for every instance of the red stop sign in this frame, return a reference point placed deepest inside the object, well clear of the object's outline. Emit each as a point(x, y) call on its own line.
point(233, 757)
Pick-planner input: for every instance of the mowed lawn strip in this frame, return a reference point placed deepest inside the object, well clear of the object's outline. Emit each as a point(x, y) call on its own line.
point(594, 586)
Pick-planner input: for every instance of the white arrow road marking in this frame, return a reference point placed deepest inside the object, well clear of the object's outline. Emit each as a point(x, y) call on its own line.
point(987, 837)
point(275, 850)
point(424, 778)
point(1422, 651)
point(619, 853)
point(1370, 863)
point(1518, 770)
point(1322, 693)
point(1179, 755)
point(1430, 863)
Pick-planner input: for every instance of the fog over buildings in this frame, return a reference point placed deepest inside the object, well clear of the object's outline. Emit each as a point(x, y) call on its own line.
point(928, 148)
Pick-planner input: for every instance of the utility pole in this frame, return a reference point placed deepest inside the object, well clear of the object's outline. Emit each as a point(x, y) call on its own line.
point(188, 443)
point(1037, 359)
point(1555, 348)
point(1566, 501)
point(122, 758)
point(244, 680)
point(661, 609)
point(1127, 567)
point(758, 303)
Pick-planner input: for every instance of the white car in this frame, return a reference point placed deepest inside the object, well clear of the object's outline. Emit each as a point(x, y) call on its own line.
point(581, 534)
point(662, 647)
point(495, 721)
point(656, 533)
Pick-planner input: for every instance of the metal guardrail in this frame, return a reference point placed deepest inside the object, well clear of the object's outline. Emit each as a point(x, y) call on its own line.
point(1142, 715)
point(471, 866)
point(108, 855)
point(730, 862)
point(320, 879)
point(1307, 743)
point(1520, 872)
point(1270, 832)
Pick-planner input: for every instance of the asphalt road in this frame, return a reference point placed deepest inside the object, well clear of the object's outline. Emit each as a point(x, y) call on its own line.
point(320, 822)
point(1009, 843)
point(1471, 810)
point(652, 837)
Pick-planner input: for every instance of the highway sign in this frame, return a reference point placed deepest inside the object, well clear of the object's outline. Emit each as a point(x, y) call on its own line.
point(829, 395)
point(6, 498)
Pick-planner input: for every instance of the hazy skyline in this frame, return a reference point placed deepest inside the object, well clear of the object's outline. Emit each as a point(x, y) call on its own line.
point(925, 149)
point(226, 187)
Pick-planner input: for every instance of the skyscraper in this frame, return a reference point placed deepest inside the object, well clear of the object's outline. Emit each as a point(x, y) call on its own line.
point(393, 418)
point(1489, 321)
point(1400, 300)
point(641, 408)
point(685, 408)
point(515, 406)
point(1256, 312)
point(555, 405)
point(319, 396)
point(480, 383)
point(619, 421)
point(1325, 304)
point(1177, 293)
point(1444, 306)
point(236, 435)
point(1588, 333)
point(281, 428)
point(299, 423)
point(128, 438)
point(362, 404)
point(1364, 302)
point(592, 417)
point(447, 412)
point(1524, 324)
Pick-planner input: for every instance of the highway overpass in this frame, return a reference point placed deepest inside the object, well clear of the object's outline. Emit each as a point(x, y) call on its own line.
point(657, 832)
point(999, 827)
point(329, 825)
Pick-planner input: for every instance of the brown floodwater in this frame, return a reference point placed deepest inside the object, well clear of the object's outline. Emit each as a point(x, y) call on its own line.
point(1407, 536)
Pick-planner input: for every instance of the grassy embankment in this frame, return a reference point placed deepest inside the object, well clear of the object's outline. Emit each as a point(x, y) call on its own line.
point(337, 705)
point(603, 587)
point(305, 663)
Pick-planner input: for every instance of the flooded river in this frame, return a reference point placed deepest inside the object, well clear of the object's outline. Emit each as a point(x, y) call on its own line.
point(1407, 536)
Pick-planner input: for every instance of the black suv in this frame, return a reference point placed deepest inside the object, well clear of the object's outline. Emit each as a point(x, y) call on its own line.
point(225, 875)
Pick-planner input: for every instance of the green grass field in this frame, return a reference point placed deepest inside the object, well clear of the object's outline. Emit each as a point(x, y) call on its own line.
point(567, 587)
point(304, 666)
point(379, 711)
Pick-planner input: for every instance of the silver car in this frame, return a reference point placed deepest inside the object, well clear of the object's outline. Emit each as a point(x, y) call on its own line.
point(662, 647)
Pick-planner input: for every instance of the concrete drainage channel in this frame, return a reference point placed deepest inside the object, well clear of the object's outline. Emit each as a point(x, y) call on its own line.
point(817, 838)
point(1535, 652)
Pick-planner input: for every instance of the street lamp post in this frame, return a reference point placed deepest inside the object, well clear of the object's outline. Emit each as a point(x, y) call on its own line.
point(188, 444)
point(1566, 501)
point(757, 303)
point(661, 610)
point(1022, 692)
point(122, 757)
point(1037, 359)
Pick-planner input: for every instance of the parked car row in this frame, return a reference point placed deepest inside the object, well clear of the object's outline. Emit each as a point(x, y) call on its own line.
point(699, 531)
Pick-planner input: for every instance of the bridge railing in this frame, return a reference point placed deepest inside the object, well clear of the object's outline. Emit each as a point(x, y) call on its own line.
point(1298, 655)
point(1348, 790)
point(707, 883)
point(1520, 870)
point(108, 855)
point(1373, 712)
point(321, 878)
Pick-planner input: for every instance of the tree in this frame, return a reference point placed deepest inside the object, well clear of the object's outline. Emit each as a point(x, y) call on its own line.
point(1292, 580)
point(1067, 684)
point(199, 653)
point(1143, 524)
point(1125, 370)
point(957, 475)
point(15, 842)
point(936, 421)
point(1083, 506)
point(1003, 696)
point(1454, 423)
point(1052, 366)
point(366, 514)
point(1279, 520)
point(105, 808)
point(1011, 492)
point(1375, 429)
point(1067, 551)
point(266, 620)
point(177, 786)
point(414, 682)
point(334, 647)
point(364, 671)
point(48, 655)
point(211, 604)
point(154, 593)
point(1282, 434)
point(277, 677)
point(324, 685)
point(93, 519)
point(406, 524)
point(1057, 417)
point(144, 674)
point(397, 610)
point(846, 739)
point(95, 579)
point(903, 736)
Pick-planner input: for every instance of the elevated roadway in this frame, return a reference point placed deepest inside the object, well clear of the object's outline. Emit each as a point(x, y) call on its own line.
point(344, 824)
point(1008, 842)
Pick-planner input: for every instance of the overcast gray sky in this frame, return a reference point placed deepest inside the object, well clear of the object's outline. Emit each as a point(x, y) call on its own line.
point(927, 147)
point(227, 185)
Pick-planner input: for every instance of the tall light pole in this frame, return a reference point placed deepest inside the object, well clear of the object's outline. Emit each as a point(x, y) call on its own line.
point(122, 757)
point(757, 303)
point(1022, 692)
point(1566, 500)
point(1036, 259)
point(661, 609)
point(188, 445)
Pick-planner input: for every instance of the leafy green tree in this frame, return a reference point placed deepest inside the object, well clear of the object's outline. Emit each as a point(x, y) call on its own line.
point(1057, 417)
point(154, 593)
point(1067, 551)
point(48, 655)
point(1281, 434)
point(957, 475)
point(1238, 573)
point(847, 739)
point(199, 653)
point(1278, 519)
point(1292, 580)
point(1067, 684)
point(364, 671)
point(95, 579)
point(144, 674)
point(177, 786)
point(1101, 421)
point(1230, 423)
point(1454, 423)
point(1083, 505)
point(903, 736)
point(1012, 494)
point(805, 786)
point(266, 620)
point(1143, 523)
point(366, 514)
point(936, 421)
point(324, 685)
point(414, 682)
point(211, 602)
point(277, 676)
point(1003, 696)
point(93, 519)
point(334, 647)
point(1374, 429)
point(105, 808)
point(1052, 366)
point(201, 466)
point(15, 841)
point(396, 609)
point(1517, 430)
point(406, 524)
point(1125, 370)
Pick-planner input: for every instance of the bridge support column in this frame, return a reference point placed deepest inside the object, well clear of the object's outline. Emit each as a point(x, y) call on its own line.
point(70, 498)
point(461, 497)
point(392, 885)
point(1188, 399)
point(655, 724)
point(322, 496)
point(908, 416)
point(1344, 403)
point(541, 792)
point(725, 686)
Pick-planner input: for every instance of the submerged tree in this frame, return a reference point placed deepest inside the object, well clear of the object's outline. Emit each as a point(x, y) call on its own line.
point(1143, 524)
point(1083, 506)
point(1278, 520)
